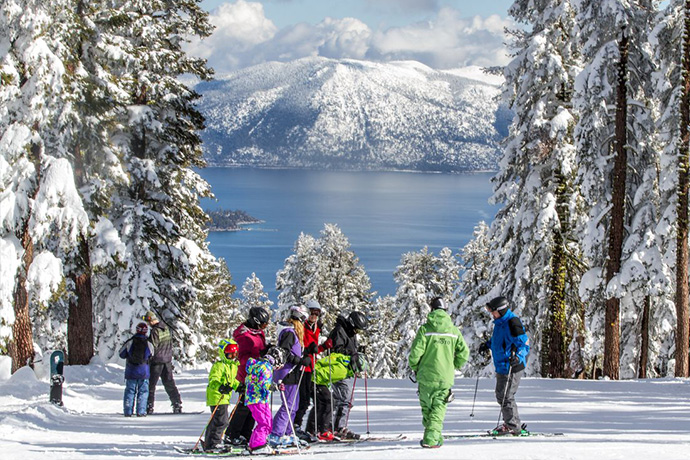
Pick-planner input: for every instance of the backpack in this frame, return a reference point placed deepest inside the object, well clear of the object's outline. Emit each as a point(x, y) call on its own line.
point(331, 369)
point(137, 353)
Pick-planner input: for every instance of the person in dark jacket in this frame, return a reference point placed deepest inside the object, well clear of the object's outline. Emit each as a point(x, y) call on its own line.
point(251, 343)
point(343, 340)
point(161, 364)
point(136, 351)
point(509, 346)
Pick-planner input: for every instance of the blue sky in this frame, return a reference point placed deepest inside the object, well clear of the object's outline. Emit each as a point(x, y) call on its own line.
point(442, 34)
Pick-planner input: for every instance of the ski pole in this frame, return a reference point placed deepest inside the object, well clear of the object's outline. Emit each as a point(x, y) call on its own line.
point(366, 399)
point(313, 378)
point(292, 426)
point(330, 388)
point(294, 399)
point(352, 398)
point(213, 414)
point(476, 385)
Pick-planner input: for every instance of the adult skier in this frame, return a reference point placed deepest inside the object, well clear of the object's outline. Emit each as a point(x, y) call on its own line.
point(251, 343)
point(343, 340)
point(437, 351)
point(509, 347)
point(312, 330)
point(161, 364)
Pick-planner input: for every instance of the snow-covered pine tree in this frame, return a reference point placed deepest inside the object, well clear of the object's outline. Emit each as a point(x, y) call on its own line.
point(382, 343)
point(43, 215)
point(420, 277)
point(325, 269)
point(254, 295)
point(671, 43)
point(532, 255)
point(614, 123)
point(157, 213)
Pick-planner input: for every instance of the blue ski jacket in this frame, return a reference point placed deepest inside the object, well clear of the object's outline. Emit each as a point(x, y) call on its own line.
point(509, 334)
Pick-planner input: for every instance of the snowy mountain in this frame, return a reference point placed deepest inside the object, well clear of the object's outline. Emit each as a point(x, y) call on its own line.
point(347, 114)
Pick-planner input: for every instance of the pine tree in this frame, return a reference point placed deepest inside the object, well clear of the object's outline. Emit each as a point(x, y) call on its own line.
point(612, 34)
point(44, 214)
point(382, 341)
point(253, 295)
point(672, 45)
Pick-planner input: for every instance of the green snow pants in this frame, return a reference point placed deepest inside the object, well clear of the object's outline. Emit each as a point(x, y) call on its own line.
point(433, 398)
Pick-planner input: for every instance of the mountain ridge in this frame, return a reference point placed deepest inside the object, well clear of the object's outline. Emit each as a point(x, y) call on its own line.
point(348, 114)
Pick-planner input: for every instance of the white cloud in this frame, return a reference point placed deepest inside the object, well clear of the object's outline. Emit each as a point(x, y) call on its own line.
point(245, 37)
point(403, 5)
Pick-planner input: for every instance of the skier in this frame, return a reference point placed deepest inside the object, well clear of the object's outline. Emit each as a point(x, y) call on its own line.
point(221, 382)
point(137, 372)
point(161, 364)
point(251, 342)
point(258, 383)
point(312, 330)
point(509, 347)
point(290, 339)
point(437, 351)
point(343, 340)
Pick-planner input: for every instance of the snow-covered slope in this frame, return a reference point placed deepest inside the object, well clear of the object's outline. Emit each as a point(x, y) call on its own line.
point(318, 112)
point(632, 420)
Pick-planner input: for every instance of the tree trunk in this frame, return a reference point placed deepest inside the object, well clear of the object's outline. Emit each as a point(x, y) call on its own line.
point(644, 346)
point(557, 332)
point(22, 345)
point(616, 235)
point(682, 296)
point(80, 319)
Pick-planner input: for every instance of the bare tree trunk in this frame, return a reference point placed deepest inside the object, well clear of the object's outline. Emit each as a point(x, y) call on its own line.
point(557, 332)
point(22, 346)
point(644, 346)
point(616, 235)
point(80, 319)
point(682, 297)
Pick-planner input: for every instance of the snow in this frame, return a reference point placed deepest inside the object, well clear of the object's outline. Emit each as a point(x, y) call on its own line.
point(637, 419)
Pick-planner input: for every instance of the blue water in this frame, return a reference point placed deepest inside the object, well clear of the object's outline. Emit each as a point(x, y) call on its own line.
point(383, 215)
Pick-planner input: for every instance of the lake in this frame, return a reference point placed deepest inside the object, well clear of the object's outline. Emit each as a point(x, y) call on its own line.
point(383, 215)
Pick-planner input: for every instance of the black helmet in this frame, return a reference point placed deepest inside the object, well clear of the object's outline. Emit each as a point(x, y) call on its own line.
point(259, 315)
point(437, 303)
point(498, 304)
point(358, 320)
point(276, 356)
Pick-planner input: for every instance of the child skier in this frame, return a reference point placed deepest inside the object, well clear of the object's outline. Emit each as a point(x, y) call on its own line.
point(136, 351)
point(221, 382)
point(290, 339)
point(312, 330)
point(259, 385)
point(328, 371)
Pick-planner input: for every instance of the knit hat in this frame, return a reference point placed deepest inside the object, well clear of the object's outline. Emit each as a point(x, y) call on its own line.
point(150, 317)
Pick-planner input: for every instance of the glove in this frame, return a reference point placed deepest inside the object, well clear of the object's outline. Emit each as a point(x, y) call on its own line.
point(277, 386)
point(311, 349)
point(224, 389)
point(305, 361)
point(514, 359)
point(485, 347)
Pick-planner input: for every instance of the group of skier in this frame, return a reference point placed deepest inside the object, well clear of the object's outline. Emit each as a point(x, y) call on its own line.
point(255, 369)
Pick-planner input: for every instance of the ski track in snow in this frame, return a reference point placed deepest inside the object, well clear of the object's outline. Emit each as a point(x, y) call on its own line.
point(644, 419)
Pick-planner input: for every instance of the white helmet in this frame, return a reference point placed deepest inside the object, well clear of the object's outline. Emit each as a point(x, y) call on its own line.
point(312, 304)
point(299, 313)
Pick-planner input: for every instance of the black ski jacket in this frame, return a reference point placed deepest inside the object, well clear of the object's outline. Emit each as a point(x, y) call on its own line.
point(161, 339)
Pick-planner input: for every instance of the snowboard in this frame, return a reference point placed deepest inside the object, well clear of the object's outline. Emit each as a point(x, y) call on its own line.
point(57, 363)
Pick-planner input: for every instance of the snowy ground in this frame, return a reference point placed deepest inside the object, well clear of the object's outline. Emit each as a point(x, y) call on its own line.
point(600, 419)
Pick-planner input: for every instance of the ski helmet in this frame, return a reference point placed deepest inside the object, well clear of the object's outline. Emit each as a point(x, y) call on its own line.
point(437, 303)
point(228, 346)
point(142, 328)
point(259, 315)
point(498, 304)
point(358, 320)
point(313, 304)
point(299, 313)
point(276, 356)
